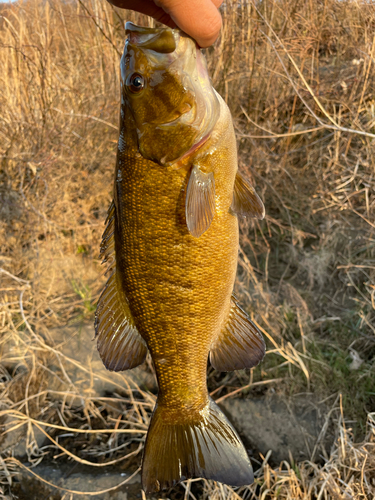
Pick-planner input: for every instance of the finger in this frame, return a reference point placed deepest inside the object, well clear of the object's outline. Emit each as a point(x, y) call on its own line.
point(198, 18)
point(147, 7)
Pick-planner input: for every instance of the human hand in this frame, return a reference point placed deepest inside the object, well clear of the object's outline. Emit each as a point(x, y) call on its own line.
point(198, 18)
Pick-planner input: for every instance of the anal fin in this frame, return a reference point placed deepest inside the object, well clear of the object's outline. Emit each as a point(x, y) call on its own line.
point(246, 202)
point(120, 345)
point(239, 345)
point(200, 202)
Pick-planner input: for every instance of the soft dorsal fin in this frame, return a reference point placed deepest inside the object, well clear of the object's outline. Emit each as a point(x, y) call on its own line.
point(200, 202)
point(119, 344)
point(107, 245)
point(239, 345)
point(245, 200)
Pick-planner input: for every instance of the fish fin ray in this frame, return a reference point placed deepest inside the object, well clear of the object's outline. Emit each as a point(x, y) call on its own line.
point(107, 245)
point(246, 202)
point(239, 345)
point(206, 446)
point(120, 345)
point(200, 202)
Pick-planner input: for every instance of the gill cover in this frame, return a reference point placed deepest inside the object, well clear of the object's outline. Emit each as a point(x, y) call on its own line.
point(167, 96)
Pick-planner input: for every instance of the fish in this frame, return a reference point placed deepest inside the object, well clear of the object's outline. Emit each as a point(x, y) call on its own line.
point(171, 243)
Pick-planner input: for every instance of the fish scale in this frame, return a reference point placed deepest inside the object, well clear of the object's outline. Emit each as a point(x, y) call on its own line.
point(147, 280)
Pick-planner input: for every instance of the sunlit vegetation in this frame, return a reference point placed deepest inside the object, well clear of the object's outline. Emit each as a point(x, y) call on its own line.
point(298, 77)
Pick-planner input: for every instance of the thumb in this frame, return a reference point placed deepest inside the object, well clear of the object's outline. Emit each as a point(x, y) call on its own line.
point(198, 18)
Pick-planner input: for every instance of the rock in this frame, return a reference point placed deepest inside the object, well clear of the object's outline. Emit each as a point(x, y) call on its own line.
point(78, 344)
point(17, 441)
point(278, 424)
point(77, 478)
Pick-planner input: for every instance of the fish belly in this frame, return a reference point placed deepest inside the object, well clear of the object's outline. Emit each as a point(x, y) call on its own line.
point(178, 287)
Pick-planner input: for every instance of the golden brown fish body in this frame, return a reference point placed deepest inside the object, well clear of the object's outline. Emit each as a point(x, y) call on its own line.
point(173, 232)
point(178, 287)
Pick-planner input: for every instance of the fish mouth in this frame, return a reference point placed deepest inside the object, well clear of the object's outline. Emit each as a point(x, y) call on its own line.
point(195, 116)
point(161, 40)
point(207, 102)
point(205, 112)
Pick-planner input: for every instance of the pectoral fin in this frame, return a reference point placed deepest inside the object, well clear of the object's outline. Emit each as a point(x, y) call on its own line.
point(119, 344)
point(239, 345)
point(200, 202)
point(245, 200)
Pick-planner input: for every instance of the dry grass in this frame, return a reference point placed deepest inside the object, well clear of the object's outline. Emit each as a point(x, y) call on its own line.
point(298, 77)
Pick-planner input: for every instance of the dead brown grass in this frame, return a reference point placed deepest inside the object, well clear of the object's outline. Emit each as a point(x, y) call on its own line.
point(298, 77)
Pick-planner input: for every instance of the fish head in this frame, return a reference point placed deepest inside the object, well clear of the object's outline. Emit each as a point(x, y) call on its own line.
point(166, 93)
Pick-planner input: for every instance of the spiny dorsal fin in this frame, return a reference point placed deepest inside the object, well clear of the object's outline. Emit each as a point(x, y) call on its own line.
point(239, 345)
point(119, 344)
point(200, 202)
point(245, 200)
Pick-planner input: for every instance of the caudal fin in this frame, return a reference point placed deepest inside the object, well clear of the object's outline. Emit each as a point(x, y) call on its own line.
point(207, 447)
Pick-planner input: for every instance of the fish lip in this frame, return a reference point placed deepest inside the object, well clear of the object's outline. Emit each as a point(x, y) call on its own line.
point(160, 40)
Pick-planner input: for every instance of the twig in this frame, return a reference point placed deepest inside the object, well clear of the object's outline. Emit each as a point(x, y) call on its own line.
point(248, 386)
point(273, 135)
point(86, 116)
point(82, 460)
point(99, 28)
point(27, 419)
point(334, 125)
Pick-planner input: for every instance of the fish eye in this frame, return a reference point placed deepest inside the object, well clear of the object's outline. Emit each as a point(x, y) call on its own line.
point(135, 83)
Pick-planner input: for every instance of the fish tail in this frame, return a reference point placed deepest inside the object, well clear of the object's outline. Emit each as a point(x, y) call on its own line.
point(205, 446)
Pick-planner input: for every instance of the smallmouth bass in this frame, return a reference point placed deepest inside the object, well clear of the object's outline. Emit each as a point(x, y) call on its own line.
point(172, 242)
